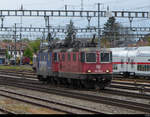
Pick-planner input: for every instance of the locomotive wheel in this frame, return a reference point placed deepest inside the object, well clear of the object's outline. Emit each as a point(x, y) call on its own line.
point(79, 85)
point(71, 83)
point(96, 87)
point(66, 84)
point(74, 83)
point(86, 84)
point(101, 86)
point(58, 82)
point(52, 81)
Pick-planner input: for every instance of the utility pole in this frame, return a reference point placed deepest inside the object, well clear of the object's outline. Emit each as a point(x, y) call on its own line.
point(81, 5)
point(15, 41)
point(21, 38)
point(130, 20)
point(21, 46)
point(43, 38)
point(99, 30)
point(65, 7)
point(2, 19)
point(48, 26)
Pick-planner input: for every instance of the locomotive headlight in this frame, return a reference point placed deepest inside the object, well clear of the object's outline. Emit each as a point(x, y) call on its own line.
point(89, 71)
point(107, 71)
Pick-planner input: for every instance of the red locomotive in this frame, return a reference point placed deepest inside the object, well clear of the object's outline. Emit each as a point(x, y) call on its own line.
point(80, 66)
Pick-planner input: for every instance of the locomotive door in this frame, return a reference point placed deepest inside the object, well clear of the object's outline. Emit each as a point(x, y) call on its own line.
point(49, 62)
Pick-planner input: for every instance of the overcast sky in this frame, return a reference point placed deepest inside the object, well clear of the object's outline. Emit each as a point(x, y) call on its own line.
point(57, 4)
point(137, 5)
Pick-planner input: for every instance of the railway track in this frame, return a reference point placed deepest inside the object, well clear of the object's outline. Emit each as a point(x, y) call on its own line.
point(58, 106)
point(110, 90)
point(117, 92)
point(115, 79)
point(115, 84)
point(92, 98)
point(6, 111)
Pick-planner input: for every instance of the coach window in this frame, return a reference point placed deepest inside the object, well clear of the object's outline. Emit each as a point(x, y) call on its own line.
point(63, 57)
point(69, 57)
point(105, 57)
point(115, 66)
point(145, 66)
point(74, 57)
point(148, 67)
point(142, 68)
point(90, 57)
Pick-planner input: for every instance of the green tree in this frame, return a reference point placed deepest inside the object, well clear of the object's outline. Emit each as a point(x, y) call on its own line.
point(7, 55)
point(7, 40)
point(111, 30)
point(28, 53)
point(71, 33)
point(25, 40)
point(35, 45)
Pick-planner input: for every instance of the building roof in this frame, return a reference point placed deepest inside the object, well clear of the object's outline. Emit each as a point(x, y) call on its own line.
point(11, 45)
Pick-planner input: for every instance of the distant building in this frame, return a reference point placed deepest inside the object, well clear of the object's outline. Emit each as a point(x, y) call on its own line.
point(10, 47)
point(2, 56)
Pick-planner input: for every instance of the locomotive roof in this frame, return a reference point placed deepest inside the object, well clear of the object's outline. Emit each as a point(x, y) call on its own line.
point(131, 51)
point(80, 49)
point(92, 49)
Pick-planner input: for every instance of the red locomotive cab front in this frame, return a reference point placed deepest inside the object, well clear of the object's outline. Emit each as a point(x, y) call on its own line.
point(97, 67)
point(98, 62)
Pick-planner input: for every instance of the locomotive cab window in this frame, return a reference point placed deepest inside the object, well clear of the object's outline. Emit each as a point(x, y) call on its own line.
point(82, 56)
point(105, 57)
point(90, 57)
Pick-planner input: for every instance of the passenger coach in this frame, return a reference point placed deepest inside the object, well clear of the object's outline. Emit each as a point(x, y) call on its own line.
point(131, 61)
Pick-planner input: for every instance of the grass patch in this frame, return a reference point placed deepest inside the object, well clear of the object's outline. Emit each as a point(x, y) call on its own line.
point(16, 67)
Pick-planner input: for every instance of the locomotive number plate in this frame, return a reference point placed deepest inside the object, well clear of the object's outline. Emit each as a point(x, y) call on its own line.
point(98, 66)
